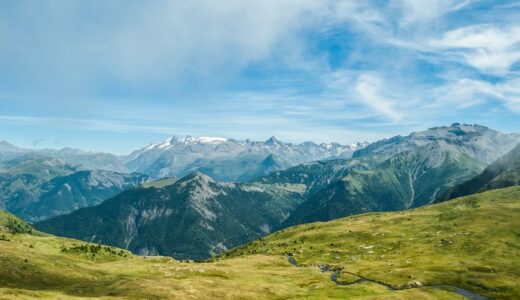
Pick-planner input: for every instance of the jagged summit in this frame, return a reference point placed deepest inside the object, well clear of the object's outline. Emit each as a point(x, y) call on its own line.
point(273, 141)
point(174, 140)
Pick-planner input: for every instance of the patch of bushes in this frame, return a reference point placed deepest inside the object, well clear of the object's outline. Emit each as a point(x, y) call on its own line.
point(16, 227)
point(93, 250)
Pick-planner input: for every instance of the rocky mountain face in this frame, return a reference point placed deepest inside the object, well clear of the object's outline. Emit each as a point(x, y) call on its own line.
point(195, 217)
point(36, 195)
point(503, 172)
point(405, 172)
point(227, 159)
point(476, 141)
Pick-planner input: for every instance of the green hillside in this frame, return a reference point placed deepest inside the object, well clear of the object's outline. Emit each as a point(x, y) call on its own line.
point(406, 180)
point(36, 265)
point(471, 242)
point(398, 255)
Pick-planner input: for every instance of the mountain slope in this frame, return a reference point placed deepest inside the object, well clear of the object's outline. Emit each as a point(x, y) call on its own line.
point(65, 194)
point(429, 246)
point(193, 218)
point(503, 172)
point(36, 265)
point(404, 172)
point(476, 141)
point(35, 198)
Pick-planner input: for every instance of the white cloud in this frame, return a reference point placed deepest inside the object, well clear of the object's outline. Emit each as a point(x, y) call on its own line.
point(465, 93)
point(371, 92)
point(488, 48)
point(414, 11)
point(510, 91)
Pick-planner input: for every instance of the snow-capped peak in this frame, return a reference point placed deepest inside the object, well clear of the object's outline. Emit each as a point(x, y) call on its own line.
point(203, 139)
point(170, 142)
point(358, 145)
point(212, 139)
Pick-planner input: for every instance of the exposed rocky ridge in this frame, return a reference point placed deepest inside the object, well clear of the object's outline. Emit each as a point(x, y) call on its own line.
point(476, 141)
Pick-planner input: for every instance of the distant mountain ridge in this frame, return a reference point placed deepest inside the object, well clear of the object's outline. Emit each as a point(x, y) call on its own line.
point(472, 140)
point(228, 159)
point(222, 159)
point(77, 158)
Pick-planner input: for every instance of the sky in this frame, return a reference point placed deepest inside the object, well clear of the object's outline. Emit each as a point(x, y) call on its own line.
point(115, 75)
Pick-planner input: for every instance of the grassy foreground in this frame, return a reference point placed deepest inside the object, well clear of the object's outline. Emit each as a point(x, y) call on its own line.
point(472, 243)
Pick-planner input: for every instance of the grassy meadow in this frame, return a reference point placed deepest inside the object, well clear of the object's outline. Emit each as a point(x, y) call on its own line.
point(472, 243)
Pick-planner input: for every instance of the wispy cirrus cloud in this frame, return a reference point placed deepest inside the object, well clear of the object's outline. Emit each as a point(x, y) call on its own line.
point(488, 48)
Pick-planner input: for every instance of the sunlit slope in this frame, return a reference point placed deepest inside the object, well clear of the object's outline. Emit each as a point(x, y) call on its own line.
point(34, 265)
point(471, 242)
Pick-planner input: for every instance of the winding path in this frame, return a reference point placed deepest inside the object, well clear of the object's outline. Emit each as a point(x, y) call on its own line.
point(334, 278)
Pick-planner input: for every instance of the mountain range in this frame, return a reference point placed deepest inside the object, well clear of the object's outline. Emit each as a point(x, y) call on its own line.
point(228, 159)
point(29, 186)
point(393, 174)
point(220, 158)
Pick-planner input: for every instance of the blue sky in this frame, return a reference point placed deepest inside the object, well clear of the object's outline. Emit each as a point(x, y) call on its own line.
point(116, 75)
